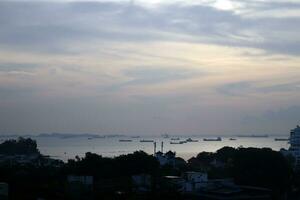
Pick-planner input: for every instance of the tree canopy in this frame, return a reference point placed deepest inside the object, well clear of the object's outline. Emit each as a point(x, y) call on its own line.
point(20, 146)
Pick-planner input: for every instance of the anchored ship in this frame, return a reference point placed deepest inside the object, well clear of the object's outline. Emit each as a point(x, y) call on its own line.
point(212, 139)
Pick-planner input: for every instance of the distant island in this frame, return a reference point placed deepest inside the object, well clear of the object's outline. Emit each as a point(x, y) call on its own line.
point(63, 135)
point(70, 135)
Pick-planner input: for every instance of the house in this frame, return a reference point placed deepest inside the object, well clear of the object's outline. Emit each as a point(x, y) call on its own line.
point(80, 187)
point(163, 159)
point(33, 159)
point(229, 192)
point(3, 191)
point(85, 180)
point(173, 183)
point(194, 181)
point(198, 186)
point(189, 182)
point(141, 182)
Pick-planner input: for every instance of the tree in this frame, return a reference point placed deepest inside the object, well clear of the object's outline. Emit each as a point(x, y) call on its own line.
point(19, 146)
point(262, 167)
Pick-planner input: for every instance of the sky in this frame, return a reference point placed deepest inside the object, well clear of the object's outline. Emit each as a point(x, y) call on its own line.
point(205, 67)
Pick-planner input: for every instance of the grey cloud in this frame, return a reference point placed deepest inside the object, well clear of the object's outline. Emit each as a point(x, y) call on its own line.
point(278, 121)
point(11, 94)
point(149, 75)
point(245, 88)
point(25, 67)
point(235, 89)
point(56, 27)
point(286, 87)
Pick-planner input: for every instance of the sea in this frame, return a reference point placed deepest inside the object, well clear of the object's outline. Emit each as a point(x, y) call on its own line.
point(65, 148)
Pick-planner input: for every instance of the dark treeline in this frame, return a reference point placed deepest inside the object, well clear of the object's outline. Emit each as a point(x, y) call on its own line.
point(102, 167)
point(19, 146)
point(247, 166)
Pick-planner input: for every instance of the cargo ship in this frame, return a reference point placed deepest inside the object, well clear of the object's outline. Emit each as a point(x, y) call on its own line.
point(212, 139)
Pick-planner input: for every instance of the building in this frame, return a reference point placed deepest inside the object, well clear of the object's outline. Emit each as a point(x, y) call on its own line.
point(3, 191)
point(221, 191)
point(169, 158)
point(33, 159)
point(85, 180)
point(194, 181)
point(142, 182)
point(173, 183)
point(196, 185)
point(80, 187)
point(188, 182)
point(295, 145)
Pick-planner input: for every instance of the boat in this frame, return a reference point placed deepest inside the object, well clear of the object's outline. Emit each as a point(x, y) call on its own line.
point(232, 138)
point(255, 135)
point(176, 143)
point(212, 139)
point(175, 138)
point(281, 139)
point(135, 136)
point(146, 140)
point(190, 140)
point(99, 137)
point(165, 135)
point(125, 140)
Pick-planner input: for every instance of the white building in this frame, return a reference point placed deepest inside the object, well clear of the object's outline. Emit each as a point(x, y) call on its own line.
point(295, 145)
point(194, 181)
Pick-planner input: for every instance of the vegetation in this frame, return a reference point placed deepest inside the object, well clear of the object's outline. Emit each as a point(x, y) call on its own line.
point(247, 166)
point(20, 146)
point(125, 165)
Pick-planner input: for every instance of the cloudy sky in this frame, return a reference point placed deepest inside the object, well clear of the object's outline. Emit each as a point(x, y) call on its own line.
point(150, 66)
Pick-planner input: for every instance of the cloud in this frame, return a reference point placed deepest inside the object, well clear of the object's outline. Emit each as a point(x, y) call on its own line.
point(62, 27)
point(157, 75)
point(145, 65)
point(241, 88)
point(245, 88)
point(277, 121)
point(153, 76)
point(24, 67)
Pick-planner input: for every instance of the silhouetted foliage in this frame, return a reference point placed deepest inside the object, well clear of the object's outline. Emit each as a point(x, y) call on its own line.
point(19, 146)
point(248, 166)
point(261, 167)
point(205, 157)
point(124, 165)
point(225, 154)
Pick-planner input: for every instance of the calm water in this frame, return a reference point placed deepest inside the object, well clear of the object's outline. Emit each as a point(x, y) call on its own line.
point(70, 147)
